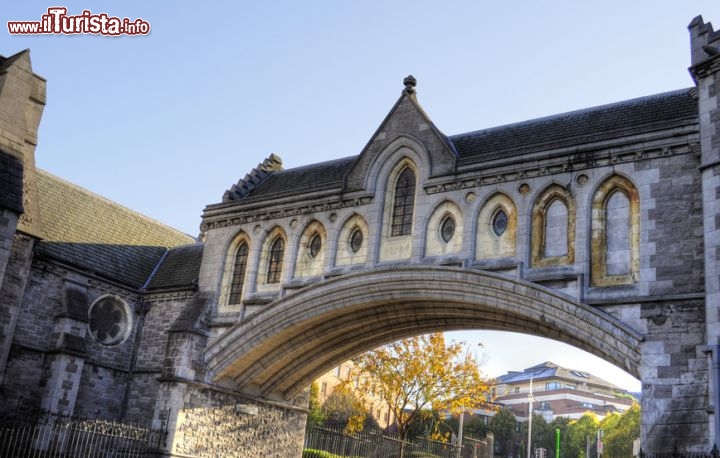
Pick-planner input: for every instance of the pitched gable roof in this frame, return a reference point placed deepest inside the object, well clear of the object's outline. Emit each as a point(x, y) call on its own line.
point(406, 118)
point(550, 370)
point(509, 142)
point(88, 231)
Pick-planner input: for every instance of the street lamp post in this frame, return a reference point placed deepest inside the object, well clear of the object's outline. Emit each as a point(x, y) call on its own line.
point(530, 403)
point(460, 433)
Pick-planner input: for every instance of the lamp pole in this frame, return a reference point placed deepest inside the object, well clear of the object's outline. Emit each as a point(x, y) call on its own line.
point(460, 433)
point(530, 403)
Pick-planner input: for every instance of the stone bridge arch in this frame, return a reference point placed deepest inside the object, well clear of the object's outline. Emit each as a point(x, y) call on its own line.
point(277, 352)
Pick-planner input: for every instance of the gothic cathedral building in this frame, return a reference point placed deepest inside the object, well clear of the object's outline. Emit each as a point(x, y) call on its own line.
point(598, 228)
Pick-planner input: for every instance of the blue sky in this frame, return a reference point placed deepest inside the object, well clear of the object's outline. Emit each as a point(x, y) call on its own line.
point(164, 123)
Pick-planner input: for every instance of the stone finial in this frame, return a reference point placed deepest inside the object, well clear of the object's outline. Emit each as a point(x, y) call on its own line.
point(271, 164)
point(410, 82)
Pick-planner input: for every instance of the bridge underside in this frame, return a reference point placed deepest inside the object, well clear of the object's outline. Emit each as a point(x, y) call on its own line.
point(277, 352)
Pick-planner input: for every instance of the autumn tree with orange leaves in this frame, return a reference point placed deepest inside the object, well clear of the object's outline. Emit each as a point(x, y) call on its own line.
point(421, 374)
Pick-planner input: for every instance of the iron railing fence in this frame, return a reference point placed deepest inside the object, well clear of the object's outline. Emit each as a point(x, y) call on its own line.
point(52, 435)
point(714, 453)
point(379, 445)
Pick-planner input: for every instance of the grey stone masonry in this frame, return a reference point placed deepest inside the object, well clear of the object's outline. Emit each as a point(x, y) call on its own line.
point(674, 375)
point(11, 292)
point(215, 422)
point(22, 100)
point(705, 69)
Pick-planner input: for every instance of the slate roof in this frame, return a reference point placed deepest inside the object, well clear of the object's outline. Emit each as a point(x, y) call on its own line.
point(94, 233)
point(309, 178)
point(604, 122)
point(577, 127)
point(550, 370)
point(178, 268)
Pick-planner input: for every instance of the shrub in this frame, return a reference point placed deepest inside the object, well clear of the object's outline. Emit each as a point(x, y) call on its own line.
point(312, 453)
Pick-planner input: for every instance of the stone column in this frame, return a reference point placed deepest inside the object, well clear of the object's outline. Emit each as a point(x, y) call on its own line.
point(67, 359)
point(705, 69)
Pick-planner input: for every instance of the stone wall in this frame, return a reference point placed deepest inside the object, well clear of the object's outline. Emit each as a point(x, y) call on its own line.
point(11, 292)
point(101, 392)
point(8, 223)
point(53, 351)
point(675, 225)
point(705, 69)
point(674, 376)
point(211, 422)
point(163, 310)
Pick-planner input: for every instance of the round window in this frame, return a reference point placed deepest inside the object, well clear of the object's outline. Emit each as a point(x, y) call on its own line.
point(447, 228)
point(356, 240)
point(499, 222)
point(109, 320)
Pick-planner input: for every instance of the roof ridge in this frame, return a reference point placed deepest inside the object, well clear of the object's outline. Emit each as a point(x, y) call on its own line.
point(554, 117)
point(115, 204)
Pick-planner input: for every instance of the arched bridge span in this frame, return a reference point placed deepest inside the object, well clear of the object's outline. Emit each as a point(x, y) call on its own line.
point(278, 351)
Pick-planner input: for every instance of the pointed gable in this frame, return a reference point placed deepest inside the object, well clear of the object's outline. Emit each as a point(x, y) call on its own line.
point(405, 120)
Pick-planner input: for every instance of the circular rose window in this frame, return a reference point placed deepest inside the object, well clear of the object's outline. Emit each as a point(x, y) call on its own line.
point(109, 320)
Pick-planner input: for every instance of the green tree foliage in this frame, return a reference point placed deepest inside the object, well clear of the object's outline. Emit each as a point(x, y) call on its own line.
point(473, 426)
point(428, 424)
point(316, 417)
point(563, 424)
point(311, 453)
point(581, 432)
point(503, 426)
point(620, 434)
point(540, 433)
point(342, 409)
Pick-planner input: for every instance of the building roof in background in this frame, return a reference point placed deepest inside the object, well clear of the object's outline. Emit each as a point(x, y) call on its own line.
point(550, 370)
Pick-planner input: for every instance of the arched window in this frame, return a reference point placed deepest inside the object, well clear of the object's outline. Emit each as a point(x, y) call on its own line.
point(238, 275)
point(617, 235)
point(556, 233)
point(275, 261)
point(403, 204)
point(615, 245)
point(553, 228)
point(497, 228)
